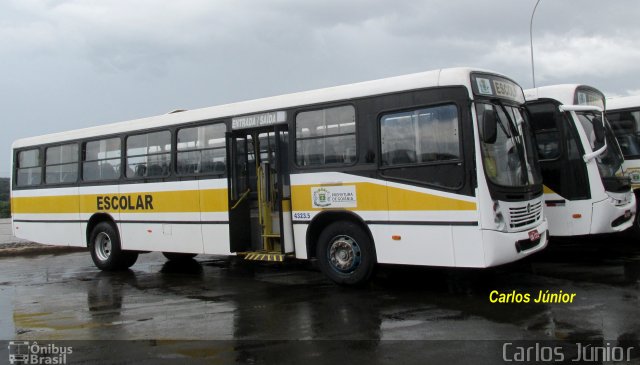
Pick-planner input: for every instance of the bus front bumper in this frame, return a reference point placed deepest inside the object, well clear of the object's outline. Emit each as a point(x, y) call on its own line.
point(609, 218)
point(504, 247)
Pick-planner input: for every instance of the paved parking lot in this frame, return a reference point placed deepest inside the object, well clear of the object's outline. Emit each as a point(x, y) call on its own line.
point(259, 313)
point(6, 236)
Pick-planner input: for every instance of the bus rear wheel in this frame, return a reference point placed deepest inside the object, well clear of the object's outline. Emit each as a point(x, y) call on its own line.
point(179, 256)
point(345, 253)
point(106, 251)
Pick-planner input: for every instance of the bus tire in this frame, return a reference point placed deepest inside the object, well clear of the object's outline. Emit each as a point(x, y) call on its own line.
point(106, 251)
point(345, 253)
point(179, 256)
point(634, 230)
point(129, 259)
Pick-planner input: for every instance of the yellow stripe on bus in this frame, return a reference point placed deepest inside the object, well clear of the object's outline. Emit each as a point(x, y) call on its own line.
point(45, 204)
point(547, 190)
point(211, 200)
point(374, 197)
point(369, 196)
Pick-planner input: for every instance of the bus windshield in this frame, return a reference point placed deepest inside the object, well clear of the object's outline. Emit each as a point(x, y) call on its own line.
point(626, 126)
point(610, 162)
point(510, 160)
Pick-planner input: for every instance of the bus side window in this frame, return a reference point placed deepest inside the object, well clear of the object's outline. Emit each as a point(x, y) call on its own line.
point(201, 150)
point(418, 136)
point(149, 154)
point(326, 136)
point(423, 145)
point(29, 172)
point(101, 160)
point(61, 165)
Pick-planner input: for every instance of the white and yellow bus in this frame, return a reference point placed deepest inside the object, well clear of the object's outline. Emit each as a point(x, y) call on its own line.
point(623, 113)
point(433, 168)
point(581, 162)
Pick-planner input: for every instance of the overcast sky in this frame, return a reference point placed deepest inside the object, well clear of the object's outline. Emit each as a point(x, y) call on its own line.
point(69, 64)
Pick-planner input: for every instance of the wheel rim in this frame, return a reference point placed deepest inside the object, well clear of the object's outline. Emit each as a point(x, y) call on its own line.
point(344, 254)
point(102, 246)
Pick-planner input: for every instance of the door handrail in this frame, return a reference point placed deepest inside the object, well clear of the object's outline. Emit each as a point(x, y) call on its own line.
point(242, 197)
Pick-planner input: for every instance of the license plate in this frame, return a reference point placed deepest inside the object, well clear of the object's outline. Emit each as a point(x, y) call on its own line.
point(534, 235)
point(627, 213)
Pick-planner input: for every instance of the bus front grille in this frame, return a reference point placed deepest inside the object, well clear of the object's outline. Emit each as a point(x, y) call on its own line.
point(525, 215)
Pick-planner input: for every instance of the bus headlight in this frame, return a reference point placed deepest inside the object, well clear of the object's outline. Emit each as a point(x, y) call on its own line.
point(498, 218)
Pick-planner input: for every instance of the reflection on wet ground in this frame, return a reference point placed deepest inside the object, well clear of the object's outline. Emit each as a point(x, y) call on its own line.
point(266, 305)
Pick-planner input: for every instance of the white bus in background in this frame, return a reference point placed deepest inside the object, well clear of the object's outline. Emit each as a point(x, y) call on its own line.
point(581, 162)
point(623, 114)
point(435, 168)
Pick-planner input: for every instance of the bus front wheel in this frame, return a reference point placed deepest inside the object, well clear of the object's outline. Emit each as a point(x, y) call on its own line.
point(106, 252)
point(345, 253)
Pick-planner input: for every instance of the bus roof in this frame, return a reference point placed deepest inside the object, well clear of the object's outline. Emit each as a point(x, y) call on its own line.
point(625, 102)
point(440, 77)
point(564, 93)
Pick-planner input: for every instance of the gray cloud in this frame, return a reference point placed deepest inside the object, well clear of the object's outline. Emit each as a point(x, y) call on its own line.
point(73, 63)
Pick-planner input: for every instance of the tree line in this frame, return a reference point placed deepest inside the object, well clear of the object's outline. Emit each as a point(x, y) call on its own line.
point(5, 203)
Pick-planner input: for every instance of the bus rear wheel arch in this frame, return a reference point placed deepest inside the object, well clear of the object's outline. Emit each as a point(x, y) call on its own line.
point(345, 253)
point(105, 248)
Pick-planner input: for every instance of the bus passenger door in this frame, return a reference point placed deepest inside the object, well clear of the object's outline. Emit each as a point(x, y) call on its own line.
point(238, 189)
point(260, 223)
point(284, 189)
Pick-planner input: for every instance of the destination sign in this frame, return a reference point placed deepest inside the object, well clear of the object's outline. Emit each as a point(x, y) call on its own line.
point(589, 97)
point(258, 120)
point(495, 86)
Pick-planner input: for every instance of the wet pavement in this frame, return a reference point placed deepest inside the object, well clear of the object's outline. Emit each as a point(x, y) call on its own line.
point(245, 312)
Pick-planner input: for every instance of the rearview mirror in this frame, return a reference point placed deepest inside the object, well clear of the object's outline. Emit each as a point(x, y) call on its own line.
point(489, 126)
point(598, 130)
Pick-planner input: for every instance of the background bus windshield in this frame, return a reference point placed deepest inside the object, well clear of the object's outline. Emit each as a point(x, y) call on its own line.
point(626, 126)
point(610, 162)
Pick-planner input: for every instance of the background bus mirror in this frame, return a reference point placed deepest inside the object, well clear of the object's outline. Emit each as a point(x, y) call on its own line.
point(489, 126)
point(598, 130)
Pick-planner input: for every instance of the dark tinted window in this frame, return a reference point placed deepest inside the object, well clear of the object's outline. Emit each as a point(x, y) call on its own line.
point(626, 126)
point(326, 136)
point(566, 173)
point(545, 128)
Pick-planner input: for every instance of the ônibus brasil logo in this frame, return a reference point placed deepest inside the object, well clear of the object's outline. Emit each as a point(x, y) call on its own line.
point(24, 352)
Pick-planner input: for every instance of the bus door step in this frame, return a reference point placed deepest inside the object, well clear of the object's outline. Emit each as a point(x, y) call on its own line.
point(264, 256)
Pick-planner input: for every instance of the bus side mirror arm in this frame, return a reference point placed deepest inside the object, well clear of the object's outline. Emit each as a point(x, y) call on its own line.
point(598, 127)
point(590, 156)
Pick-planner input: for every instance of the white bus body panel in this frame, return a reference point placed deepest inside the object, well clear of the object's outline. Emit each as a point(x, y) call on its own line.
point(215, 227)
point(95, 190)
point(415, 237)
point(67, 229)
point(162, 231)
